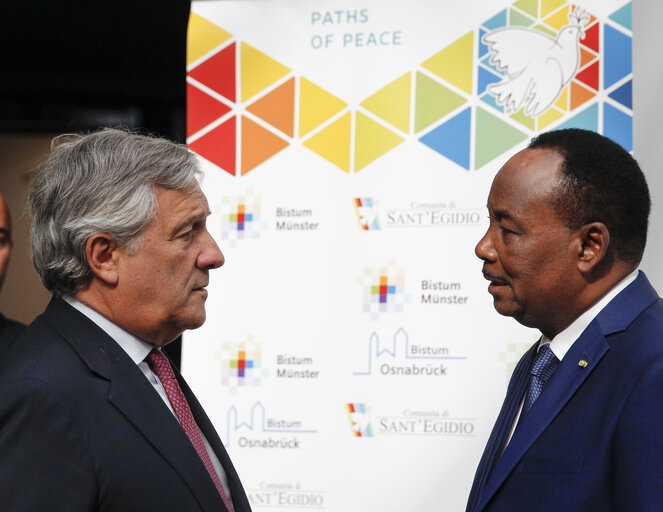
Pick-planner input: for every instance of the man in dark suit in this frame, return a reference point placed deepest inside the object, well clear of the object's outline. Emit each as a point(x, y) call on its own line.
point(581, 428)
point(9, 329)
point(92, 415)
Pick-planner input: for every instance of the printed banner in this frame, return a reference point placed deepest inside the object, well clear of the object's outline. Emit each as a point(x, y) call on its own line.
point(352, 359)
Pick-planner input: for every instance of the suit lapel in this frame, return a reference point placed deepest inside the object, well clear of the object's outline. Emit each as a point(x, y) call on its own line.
point(240, 501)
point(133, 395)
point(502, 427)
point(591, 346)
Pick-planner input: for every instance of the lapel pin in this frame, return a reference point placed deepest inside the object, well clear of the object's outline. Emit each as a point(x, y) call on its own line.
point(582, 363)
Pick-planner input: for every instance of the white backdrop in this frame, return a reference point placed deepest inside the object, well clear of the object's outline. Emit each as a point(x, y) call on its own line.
point(346, 403)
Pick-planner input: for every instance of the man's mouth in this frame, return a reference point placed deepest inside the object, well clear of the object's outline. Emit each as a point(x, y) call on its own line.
point(496, 282)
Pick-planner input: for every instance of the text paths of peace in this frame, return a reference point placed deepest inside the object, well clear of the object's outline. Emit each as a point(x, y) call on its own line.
point(349, 36)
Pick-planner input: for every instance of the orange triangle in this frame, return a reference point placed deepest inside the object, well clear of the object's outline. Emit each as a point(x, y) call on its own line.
point(580, 95)
point(278, 108)
point(585, 57)
point(258, 144)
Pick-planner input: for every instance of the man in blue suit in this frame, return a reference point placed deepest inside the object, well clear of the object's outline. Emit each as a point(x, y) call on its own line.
point(581, 427)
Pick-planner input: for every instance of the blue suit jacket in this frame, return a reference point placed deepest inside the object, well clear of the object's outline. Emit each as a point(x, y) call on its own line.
point(82, 429)
point(593, 441)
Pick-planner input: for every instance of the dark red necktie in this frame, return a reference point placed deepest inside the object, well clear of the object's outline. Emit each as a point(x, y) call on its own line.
point(159, 364)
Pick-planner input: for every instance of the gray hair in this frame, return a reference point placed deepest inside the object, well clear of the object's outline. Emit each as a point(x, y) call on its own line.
point(102, 182)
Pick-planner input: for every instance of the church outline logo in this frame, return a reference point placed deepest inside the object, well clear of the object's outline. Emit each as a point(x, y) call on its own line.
point(258, 423)
point(402, 349)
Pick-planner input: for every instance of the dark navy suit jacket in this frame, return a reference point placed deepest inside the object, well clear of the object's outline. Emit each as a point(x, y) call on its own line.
point(82, 429)
point(593, 441)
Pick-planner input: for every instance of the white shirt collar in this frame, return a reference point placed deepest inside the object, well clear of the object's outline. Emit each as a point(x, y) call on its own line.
point(561, 343)
point(135, 348)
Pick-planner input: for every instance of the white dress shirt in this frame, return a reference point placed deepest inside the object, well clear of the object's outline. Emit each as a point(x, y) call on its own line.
point(561, 343)
point(138, 351)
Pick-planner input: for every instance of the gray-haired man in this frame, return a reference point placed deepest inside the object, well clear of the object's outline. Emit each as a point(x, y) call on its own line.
point(92, 415)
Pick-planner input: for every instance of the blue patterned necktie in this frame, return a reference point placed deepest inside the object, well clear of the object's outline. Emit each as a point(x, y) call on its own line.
point(544, 365)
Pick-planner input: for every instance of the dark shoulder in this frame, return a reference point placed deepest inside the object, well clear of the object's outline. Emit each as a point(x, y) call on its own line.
point(10, 330)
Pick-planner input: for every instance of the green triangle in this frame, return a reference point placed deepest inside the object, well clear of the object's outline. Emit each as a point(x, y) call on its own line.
point(531, 7)
point(525, 120)
point(392, 103)
point(518, 19)
point(433, 101)
point(493, 137)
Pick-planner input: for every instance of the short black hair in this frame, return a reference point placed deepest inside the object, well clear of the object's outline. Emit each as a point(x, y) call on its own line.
point(600, 182)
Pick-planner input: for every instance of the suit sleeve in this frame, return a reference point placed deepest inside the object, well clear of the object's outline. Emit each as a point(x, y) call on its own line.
point(43, 463)
point(638, 448)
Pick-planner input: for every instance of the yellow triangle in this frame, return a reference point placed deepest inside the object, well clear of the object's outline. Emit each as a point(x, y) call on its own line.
point(333, 143)
point(315, 106)
point(563, 100)
point(258, 71)
point(372, 140)
point(559, 19)
point(202, 36)
point(392, 103)
point(548, 117)
point(548, 6)
point(454, 63)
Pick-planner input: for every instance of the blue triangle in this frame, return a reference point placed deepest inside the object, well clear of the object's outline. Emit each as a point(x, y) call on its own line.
point(623, 16)
point(490, 100)
point(617, 48)
point(496, 21)
point(452, 139)
point(588, 119)
point(618, 126)
point(624, 94)
point(486, 78)
point(483, 49)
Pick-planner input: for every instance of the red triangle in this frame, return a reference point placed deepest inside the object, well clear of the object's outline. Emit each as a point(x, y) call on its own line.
point(218, 72)
point(218, 146)
point(590, 76)
point(201, 109)
point(591, 40)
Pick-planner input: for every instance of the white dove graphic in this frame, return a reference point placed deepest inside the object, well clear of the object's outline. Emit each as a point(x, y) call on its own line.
point(537, 66)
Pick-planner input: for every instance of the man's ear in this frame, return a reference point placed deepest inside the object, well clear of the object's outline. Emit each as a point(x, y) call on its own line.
point(594, 244)
point(101, 253)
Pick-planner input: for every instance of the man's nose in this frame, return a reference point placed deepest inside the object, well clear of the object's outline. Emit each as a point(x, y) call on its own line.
point(211, 256)
point(484, 249)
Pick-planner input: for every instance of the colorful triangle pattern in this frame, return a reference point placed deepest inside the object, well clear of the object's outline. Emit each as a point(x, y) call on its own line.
point(469, 136)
